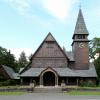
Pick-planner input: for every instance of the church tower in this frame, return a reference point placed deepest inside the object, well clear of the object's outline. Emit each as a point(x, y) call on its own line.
point(80, 44)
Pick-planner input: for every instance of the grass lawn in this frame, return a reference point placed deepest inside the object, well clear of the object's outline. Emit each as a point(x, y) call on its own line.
point(12, 93)
point(98, 87)
point(83, 93)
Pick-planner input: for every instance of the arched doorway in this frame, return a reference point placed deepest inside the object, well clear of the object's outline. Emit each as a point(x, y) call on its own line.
point(49, 79)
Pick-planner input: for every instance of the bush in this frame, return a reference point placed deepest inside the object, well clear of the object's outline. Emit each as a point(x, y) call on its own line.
point(7, 83)
point(99, 84)
point(87, 83)
point(91, 84)
point(82, 83)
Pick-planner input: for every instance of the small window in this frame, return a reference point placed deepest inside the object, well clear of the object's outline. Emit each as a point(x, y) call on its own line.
point(81, 36)
point(50, 45)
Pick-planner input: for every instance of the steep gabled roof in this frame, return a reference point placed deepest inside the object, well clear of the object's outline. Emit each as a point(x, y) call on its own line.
point(80, 27)
point(10, 72)
point(50, 38)
point(70, 55)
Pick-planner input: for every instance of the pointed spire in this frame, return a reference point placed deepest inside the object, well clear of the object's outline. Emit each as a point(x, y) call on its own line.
point(80, 27)
point(49, 37)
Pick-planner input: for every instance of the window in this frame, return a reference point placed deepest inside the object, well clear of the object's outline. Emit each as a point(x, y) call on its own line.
point(50, 45)
point(80, 36)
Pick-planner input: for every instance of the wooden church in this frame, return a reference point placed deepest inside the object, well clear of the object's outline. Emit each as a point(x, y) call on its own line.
point(50, 65)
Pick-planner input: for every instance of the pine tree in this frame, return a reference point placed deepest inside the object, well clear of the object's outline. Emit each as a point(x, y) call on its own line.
point(22, 62)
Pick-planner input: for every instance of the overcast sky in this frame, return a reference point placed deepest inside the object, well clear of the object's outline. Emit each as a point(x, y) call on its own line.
point(25, 23)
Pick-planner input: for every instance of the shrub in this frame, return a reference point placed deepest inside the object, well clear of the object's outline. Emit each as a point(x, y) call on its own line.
point(7, 82)
point(87, 83)
point(83, 83)
point(91, 84)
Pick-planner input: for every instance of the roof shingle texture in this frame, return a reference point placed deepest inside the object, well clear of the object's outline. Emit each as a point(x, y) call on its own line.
point(35, 72)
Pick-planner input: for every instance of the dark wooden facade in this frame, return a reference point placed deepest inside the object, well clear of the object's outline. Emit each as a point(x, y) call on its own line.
point(49, 54)
point(50, 61)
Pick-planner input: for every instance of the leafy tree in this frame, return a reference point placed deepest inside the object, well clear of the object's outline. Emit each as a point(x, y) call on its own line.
point(6, 58)
point(95, 49)
point(3, 53)
point(97, 65)
point(30, 56)
point(22, 62)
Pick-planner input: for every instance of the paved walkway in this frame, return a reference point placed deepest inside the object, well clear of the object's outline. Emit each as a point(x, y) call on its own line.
point(48, 96)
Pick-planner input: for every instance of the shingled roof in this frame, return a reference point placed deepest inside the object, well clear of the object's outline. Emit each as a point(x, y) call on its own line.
point(70, 55)
point(80, 27)
point(10, 72)
point(35, 72)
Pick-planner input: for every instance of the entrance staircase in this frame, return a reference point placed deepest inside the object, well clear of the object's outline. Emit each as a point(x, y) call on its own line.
point(48, 89)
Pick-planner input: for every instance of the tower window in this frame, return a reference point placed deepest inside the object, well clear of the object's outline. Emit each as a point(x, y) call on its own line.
point(80, 36)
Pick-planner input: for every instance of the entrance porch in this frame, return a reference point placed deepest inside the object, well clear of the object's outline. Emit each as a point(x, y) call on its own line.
point(48, 78)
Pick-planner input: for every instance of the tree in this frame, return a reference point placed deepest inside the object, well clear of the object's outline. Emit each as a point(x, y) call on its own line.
point(3, 53)
point(64, 49)
point(30, 56)
point(97, 65)
point(8, 59)
point(95, 49)
point(22, 62)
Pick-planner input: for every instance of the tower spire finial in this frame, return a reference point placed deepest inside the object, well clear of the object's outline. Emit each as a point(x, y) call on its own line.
point(80, 5)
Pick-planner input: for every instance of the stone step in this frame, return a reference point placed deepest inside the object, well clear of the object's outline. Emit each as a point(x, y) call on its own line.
point(47, 90)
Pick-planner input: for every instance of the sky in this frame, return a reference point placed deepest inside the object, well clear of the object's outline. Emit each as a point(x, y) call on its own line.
point(25, 23)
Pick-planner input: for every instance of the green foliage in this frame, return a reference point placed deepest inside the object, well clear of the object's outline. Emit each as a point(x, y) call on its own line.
point(94, 47)
point(8, 82)
point(22, 62)
point(30, 56)
point(82, 83)
point(6, 58)
point(90, 83)
point(97, 66)
point(87, 83)
point(98, 85)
